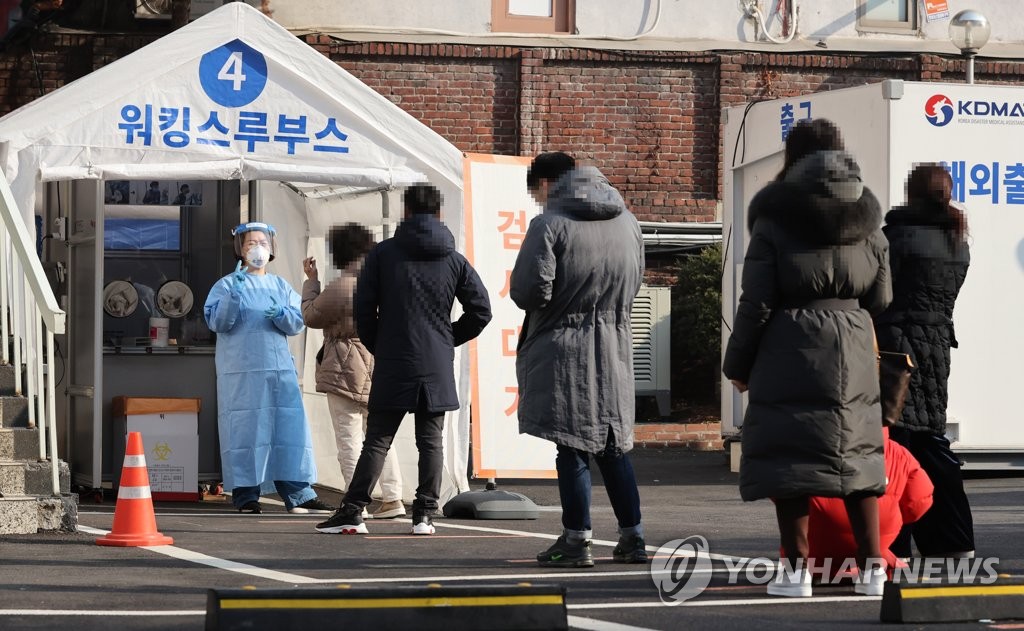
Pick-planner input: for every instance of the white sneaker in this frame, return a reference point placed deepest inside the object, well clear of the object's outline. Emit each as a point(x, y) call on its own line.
point(796, 584)
point(871, 583)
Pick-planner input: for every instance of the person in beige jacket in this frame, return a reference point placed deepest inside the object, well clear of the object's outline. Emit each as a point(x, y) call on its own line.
point(344, 365)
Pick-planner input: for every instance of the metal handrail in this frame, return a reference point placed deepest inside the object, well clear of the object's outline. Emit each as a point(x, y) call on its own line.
point(39, 305)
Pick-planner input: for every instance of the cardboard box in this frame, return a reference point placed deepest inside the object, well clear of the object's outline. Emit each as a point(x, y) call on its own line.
point(170, 436)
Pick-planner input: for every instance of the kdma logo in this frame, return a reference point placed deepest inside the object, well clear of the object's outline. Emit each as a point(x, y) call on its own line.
point(938, 110)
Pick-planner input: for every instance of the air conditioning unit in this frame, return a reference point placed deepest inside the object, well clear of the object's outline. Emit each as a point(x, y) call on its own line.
point(652, 345)
point(153, 9)
point(161, 9)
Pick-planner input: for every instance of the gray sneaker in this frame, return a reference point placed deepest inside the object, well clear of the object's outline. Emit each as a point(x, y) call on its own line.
point(565, 554)
point(630, 549)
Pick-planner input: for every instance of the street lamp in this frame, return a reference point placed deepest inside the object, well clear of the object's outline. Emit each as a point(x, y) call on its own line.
point(969, 31)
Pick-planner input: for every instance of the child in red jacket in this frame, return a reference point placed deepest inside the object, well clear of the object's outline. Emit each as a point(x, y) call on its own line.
point(908, 496)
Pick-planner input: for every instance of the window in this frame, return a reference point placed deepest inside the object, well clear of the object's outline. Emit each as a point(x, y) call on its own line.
point(135, 228)
point(887, 16)
point(533, 16)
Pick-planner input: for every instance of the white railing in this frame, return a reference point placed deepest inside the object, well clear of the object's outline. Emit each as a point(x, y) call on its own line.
point(26, 296)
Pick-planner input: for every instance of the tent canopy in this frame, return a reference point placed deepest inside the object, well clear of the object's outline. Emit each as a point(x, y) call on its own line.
point(233, 95)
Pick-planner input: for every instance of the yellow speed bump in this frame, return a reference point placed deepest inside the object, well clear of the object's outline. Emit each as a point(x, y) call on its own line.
point(381, 608)
point(946, 602)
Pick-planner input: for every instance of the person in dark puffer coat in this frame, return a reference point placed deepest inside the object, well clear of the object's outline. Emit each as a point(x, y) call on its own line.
point(929, 258)
point(816, 269)
point(403, 315)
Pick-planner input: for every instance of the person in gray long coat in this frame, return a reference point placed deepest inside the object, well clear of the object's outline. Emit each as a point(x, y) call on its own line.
point(816, 270)
point(579, 268)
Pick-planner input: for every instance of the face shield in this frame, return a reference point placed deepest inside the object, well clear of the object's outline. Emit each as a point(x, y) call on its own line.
point(254, 234)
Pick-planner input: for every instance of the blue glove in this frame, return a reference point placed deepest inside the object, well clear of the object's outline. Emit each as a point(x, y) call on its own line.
point(274, 310)
point(239, 274)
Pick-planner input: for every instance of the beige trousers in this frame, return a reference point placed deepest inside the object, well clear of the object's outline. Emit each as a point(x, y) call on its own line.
point(349, 420)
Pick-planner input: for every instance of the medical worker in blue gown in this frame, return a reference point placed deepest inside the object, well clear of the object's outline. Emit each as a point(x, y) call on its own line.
point(264, 438)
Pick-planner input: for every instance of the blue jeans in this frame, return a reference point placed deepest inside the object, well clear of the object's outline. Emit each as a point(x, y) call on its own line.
point(293, 493)
point(573, 467)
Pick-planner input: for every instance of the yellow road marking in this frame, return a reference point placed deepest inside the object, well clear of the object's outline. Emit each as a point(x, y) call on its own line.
point(967, 590)
point(381, 603)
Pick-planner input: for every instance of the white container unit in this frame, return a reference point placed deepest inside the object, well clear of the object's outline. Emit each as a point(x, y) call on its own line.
point(977, 132)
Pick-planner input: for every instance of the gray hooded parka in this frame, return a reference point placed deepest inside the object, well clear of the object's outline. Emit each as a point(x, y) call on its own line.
point(579, 268)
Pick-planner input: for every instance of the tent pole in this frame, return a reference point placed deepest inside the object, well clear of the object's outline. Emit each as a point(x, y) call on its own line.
point(385, 205)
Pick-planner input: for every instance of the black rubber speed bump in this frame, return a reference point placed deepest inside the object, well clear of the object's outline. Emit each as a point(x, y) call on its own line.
point(427, 608)
point(946, 602)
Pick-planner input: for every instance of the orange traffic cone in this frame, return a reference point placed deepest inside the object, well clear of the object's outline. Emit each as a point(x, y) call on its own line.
point(134, 519)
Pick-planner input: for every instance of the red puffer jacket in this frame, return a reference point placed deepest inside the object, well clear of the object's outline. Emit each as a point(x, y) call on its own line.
point(908, 496)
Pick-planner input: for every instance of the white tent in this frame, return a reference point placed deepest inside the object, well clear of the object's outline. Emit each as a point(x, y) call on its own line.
point(234, 96)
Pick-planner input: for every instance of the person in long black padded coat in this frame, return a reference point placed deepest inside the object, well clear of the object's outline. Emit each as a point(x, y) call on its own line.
point(929, 257)
point(815, 271)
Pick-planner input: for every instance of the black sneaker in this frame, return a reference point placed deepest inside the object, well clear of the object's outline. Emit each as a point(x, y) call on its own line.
point(565, 554)
point(422, 525)
point(631, 549)
point(347, 520)
point(252, 508)
point(312, 506)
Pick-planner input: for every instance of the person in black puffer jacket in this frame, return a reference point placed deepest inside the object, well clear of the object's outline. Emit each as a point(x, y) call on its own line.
point(403, 315)
point(929, 257)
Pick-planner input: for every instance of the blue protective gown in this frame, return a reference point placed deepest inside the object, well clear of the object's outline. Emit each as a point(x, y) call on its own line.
point(262, 424)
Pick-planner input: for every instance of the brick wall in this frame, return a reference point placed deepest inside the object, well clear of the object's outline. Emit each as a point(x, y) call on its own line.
point(650, 120)
point(695, 436)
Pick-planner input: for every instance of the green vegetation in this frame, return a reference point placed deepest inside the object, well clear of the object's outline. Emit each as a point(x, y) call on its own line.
point(697, 327)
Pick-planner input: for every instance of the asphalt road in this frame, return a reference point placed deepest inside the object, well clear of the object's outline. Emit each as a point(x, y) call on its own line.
point(60, 581)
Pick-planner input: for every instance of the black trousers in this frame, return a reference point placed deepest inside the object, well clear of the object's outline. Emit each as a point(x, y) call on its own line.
point(381, 427)
point(947, 528)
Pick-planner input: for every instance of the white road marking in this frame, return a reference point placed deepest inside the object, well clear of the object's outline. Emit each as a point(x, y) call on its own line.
point(220, 564)
point(234, 514)
point(589, 624)
point(99, 612)
point(242, 568)
point(581, 573)
point(596, 542)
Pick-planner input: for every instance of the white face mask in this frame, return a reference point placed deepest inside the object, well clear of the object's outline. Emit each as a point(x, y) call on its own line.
point(257, 256)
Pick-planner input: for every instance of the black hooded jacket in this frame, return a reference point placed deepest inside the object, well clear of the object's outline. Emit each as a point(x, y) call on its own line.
point(813, 424)
point(929, 264)
point(403, 307)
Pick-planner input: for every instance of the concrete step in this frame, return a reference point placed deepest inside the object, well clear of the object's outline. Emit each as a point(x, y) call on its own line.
point(6, 380)
point(31, 478)
point(27, 514)
point(19, 443)
point(13, 411)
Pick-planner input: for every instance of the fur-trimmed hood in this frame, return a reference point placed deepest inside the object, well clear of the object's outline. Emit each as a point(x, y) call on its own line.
point(814, 217)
